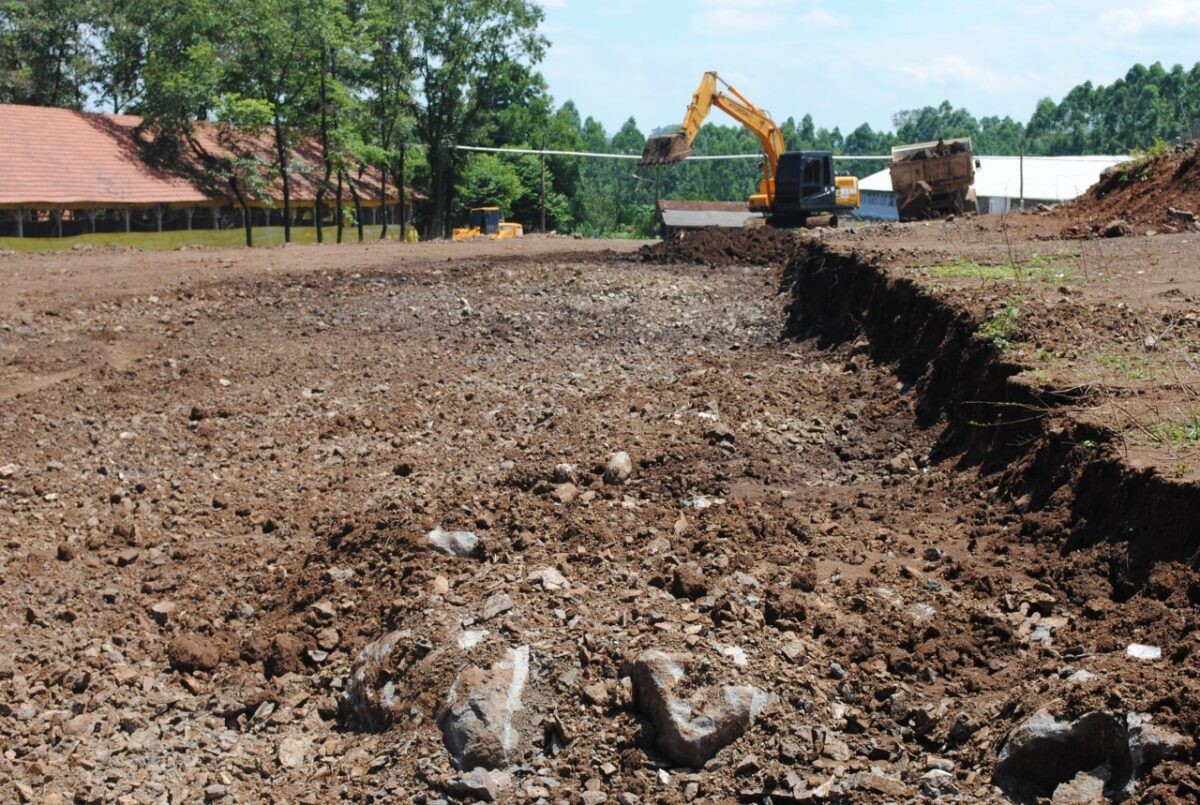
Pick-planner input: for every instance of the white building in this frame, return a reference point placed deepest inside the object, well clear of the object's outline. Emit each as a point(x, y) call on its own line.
point(1047, 180)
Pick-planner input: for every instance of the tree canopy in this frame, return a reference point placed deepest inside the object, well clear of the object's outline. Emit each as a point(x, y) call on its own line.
point(399, 83)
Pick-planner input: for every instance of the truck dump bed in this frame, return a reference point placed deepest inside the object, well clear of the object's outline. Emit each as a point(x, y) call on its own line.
point(933, 179)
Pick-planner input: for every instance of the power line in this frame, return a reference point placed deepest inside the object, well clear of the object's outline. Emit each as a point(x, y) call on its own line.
point(540, 151)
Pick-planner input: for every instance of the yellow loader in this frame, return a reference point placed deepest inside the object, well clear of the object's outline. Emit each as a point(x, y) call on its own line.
point(487, 222)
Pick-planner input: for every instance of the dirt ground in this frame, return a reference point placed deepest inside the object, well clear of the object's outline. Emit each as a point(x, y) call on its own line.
point(219, 472)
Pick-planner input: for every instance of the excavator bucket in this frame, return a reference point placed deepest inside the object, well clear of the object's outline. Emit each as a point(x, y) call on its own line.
point(666, 149)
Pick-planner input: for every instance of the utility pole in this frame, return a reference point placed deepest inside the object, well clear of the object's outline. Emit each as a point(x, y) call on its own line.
point(543, 230)
point(1022, 167)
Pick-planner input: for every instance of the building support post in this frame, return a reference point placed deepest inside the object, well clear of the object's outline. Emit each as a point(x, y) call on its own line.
point(91, 214)
point(187, 211)
point(20, 213)
point(126, 213)
point(57, 216)
point(216, 217)
point(158, 216)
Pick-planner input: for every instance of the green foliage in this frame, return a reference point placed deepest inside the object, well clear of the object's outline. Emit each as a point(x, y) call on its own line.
point(397, 83)
point(174, 239)
point(1182, 433)
point(1058, 268)
point(45, 52)
point(488, 181)
point(1003, 327)
point(1130, 366)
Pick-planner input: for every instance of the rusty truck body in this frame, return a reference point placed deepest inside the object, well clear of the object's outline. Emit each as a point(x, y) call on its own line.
point(933, 180)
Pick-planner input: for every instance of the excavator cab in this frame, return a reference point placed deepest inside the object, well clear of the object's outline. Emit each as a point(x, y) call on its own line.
point(806, 184)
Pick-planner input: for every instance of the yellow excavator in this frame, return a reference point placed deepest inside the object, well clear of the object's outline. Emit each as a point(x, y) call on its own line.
point(794, 185)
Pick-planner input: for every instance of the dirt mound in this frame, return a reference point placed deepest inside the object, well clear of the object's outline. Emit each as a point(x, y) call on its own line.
point(1160, 193)
point(757, 246)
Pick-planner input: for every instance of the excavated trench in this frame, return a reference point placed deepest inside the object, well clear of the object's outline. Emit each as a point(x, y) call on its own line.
point(1067, 478)
point(988, 555)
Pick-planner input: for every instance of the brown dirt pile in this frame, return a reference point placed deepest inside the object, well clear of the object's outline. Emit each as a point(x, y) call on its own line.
point(1160, 194)
point(716, 246)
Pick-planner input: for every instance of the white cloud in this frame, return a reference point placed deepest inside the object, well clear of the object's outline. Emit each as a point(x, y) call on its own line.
point(752, 16)
point(952, 69)
point(1131, 20)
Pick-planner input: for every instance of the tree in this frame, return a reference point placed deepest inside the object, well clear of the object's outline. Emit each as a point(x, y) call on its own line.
point(387, 80)
point(276, 55)
point(45, 53)
point(241, 122)
point(488, 181)
point(461, 47)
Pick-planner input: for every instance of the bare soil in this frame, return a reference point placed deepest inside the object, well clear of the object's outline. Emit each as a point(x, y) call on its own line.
point(1154, 194)
point(219, 469)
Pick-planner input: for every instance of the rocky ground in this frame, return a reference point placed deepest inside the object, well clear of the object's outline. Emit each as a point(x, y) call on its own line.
point(539, 525)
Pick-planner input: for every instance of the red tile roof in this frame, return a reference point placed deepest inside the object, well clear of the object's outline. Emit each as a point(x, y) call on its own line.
point(59, 158)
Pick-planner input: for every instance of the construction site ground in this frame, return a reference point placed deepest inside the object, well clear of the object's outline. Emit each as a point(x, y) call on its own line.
point(915, 483)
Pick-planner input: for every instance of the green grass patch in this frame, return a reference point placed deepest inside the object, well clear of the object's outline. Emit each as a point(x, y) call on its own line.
point(1057, 268)
point(224, 238)
point(1003, 327)
point(1130, 366)
point(1184, 433)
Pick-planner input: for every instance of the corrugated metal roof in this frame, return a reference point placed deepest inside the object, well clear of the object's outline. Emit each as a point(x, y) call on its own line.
point(58, 158)
point(1046, 178)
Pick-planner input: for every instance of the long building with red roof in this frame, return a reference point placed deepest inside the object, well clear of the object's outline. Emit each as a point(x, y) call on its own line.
point(58, 164)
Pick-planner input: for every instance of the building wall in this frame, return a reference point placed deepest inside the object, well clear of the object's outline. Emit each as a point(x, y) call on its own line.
point(878, 205)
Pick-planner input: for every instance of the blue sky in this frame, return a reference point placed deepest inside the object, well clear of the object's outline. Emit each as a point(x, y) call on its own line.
point(852, 62)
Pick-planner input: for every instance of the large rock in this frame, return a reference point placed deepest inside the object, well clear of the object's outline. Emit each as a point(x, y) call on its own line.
point(1150, 744)
point(479, 722)
point(1043, 752)
point(690, 731)
point(193, 652)
point(618, 469)
point(454, 543)
point(480, 784)
point(370, 699)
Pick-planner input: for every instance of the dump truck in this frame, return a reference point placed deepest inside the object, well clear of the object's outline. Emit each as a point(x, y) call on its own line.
point(795, 184)
point(933, 180)
point(488, 222)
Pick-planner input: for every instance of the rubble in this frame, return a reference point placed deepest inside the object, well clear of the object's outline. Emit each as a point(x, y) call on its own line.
point(455, 543)
point(791, 526)
point(371, 699)
point(691, 730)
point(480, 719)
point(1044, 752)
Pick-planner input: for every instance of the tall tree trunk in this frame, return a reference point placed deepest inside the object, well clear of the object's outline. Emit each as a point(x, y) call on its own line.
point(358, 215)
point(383, 199)
point(282, 156)
point(403, 197)
point(319, 211)
point(437, 218)
point(247, 220)
point(341, 219)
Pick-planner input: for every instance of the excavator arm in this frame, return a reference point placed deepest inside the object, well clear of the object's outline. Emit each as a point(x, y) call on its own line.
point(671, 148)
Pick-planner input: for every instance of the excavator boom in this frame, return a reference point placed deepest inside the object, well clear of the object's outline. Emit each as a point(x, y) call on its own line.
point(667, 149)
point(794, 184)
